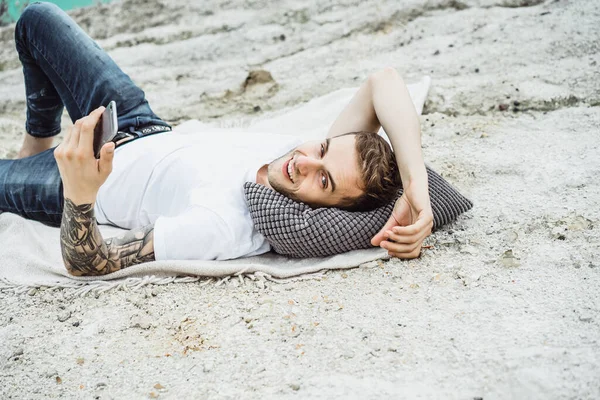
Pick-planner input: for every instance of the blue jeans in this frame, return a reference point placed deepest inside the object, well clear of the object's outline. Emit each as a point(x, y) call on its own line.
point(63, 67)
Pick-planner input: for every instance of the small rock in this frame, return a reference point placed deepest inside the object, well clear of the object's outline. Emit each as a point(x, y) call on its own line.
point(101, 385)
point(141, 322)
point(503, 107)
point(516, 103)
point(580, 223)
point(585, 318)
point(76, 323)
point(50, 373)
point(484, 135)
point(476, 70)
point(32, 291)
point(154, 292)
point(256, 108)
point(509, 260)
point(437, 53)
point(258, 76)
point(348, 354)
point(17, 353)
point(295, 386)
point(64, 315)
point(468, 279)
point(282, 37)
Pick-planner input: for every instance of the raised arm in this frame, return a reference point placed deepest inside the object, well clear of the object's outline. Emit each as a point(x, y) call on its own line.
point(359, 114)
point(84, 250)
point(384, 100)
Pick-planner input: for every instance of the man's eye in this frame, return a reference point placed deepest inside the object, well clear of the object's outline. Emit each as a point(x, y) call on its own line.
point(322, 150)
point(324, 181)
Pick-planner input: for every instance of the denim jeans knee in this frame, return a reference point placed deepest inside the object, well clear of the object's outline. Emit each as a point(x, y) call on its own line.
point(43, 8)
point(64, 67)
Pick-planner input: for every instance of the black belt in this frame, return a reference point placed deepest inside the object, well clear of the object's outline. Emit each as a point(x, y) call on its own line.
point(139, 132)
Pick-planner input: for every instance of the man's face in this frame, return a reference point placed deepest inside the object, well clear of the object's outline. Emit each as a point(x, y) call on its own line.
point(319, 173)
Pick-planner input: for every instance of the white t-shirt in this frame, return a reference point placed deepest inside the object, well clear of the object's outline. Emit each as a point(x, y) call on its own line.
point(191, 187)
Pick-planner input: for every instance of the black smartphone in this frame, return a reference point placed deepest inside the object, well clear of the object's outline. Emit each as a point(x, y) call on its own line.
point(106, 128)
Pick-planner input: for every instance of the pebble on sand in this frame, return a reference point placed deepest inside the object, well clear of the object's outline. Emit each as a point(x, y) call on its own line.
point(64, 315)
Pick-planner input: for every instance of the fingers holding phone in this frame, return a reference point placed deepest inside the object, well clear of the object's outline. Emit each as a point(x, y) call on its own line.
point(81, 172)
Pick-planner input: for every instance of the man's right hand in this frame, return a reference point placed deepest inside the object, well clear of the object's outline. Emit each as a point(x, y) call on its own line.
point(81, 173)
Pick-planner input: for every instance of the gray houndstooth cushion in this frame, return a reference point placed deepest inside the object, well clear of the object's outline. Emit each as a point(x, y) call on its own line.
point(296, 230)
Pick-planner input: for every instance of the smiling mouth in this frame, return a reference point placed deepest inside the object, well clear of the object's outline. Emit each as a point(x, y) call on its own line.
point(289, 170)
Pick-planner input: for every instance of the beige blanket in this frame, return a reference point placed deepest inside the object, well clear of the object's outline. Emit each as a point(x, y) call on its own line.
point(30, 253)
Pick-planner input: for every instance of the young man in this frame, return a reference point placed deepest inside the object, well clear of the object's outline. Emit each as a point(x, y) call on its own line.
point(181, 195)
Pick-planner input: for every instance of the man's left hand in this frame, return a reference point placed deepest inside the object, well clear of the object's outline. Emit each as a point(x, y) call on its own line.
point(82, 174)
point(410, 223)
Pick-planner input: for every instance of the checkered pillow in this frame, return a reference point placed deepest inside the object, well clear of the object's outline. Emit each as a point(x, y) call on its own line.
point(296, 230)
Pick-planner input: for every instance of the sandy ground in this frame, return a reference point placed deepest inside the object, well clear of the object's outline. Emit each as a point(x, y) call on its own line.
point(505, 306)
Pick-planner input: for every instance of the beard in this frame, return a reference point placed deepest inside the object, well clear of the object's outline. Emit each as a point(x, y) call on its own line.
point(276, 179)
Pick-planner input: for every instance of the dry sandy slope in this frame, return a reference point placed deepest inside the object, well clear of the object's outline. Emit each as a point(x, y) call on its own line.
point(463, 321)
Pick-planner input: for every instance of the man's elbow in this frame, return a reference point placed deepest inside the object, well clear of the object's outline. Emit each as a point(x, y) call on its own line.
point(72, 270)
point(81, 269)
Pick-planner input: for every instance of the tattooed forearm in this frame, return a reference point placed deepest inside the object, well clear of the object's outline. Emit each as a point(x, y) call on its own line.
point(86, 253)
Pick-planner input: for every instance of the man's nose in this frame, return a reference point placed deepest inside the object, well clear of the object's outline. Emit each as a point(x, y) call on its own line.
point(306, 165)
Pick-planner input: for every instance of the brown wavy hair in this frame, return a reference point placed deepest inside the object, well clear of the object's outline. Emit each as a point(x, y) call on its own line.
point(379, 173)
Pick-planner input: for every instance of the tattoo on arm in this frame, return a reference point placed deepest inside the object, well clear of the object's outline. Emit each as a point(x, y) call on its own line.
point(86, 253)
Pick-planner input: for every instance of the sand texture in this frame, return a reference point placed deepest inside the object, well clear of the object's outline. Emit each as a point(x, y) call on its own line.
point(506, 303)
